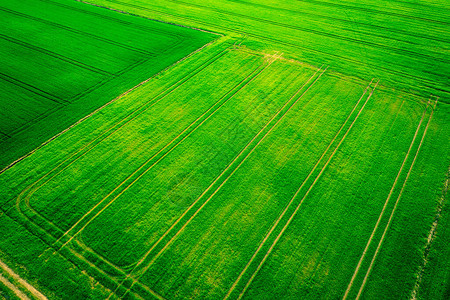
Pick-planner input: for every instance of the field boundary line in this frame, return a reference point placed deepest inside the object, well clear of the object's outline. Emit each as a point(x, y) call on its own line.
point(161, 150)
point(304, 197)
point(395, 205)
point(217, 56)
point(347, 291)
point(294, 196)
point(25, 284)
point(223, 172)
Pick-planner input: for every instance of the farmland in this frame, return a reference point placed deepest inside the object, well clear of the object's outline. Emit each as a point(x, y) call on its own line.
point(62, 60)
point(294, 150)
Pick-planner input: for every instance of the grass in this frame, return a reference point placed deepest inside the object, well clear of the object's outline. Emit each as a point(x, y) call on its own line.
point(404, 45)
point(64, 59)
point(290, 158)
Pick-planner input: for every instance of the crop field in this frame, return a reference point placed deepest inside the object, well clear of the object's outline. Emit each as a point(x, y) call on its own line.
point(62, 59)
point(261, 150)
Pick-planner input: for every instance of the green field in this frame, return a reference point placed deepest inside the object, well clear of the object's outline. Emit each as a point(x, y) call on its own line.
point(64, 59)
point(303, 153)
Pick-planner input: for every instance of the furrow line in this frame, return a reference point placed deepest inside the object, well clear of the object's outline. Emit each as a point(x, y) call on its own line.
point(345, 21)
point(291, 45)
point(33, 89)
point(55, 55)
point(317, 32)
point(373, 11)
point(70, 29)
point(110, 18)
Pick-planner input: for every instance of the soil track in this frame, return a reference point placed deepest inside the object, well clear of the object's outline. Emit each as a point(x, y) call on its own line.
point(25, 284)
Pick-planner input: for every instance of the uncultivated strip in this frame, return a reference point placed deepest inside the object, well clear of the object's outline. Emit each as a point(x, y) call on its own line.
point(25, 284)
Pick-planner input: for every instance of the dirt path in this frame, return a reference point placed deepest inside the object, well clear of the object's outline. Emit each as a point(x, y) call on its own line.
point(25, 284)
point(13, 288)
point(358, 266)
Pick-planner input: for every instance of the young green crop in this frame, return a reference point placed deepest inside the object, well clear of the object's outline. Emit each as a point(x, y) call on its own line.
point(238, 172)
point(64, 59)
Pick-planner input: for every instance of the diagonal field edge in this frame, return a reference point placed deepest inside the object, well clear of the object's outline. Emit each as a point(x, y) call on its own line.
point(116, 126)
point(192, 53)
point(114, 129)
point(119, 97)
